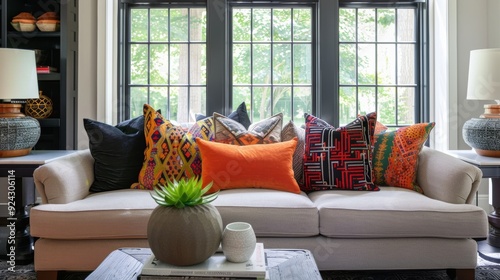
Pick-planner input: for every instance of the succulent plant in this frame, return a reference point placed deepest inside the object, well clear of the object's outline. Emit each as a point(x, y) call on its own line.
point(183, 193)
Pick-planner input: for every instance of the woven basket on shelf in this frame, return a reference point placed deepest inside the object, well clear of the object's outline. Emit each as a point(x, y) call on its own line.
point(39, 108)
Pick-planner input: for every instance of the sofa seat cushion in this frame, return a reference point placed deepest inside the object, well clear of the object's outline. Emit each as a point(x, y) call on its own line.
point(115, 214)
point(123, 214)
point(395, 212)
point(271, 213)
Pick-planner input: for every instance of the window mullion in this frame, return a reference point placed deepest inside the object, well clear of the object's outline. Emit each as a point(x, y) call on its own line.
point(292, 61)
point(148, 96)
point(169, 64)
point(188, 87)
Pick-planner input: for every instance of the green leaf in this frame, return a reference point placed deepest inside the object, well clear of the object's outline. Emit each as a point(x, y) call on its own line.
point(182, 193)
point(211, 197)
point(206, 188)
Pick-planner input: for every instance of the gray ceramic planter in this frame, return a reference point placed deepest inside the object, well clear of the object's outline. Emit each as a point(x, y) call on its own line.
point(184, 236)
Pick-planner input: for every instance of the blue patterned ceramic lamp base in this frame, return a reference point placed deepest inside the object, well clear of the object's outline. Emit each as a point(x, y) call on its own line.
point(483, 135)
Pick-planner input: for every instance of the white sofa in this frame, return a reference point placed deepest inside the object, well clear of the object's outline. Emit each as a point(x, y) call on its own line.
point(393, 228)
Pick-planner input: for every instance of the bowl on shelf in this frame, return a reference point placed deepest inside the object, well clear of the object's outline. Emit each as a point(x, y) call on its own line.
point(23, 27)
point(48, 26)
point(24, 22)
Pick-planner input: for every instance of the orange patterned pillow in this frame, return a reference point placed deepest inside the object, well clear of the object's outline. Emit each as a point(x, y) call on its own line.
point(380, 128)
point(252, 166)
point(263, 132)
point(395, 156)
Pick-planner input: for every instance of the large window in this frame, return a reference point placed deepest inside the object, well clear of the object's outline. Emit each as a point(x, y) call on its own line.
point(272, 60)
point(332, 59)
point(166, 55)
point(378, 66)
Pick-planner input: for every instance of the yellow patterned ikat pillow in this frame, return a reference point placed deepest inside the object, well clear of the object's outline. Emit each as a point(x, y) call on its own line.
point(171, 152)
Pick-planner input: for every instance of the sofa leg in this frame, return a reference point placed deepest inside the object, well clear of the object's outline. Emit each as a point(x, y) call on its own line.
point(461, 274)
point(46, 275)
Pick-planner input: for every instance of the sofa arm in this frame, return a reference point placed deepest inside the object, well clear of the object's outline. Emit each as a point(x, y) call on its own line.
point(66, 179)
point(447, 178)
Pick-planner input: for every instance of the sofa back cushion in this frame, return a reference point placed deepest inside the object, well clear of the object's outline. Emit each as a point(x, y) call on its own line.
point(118, 152)
point(395, 156)
point(171, 151)
point(251, 166)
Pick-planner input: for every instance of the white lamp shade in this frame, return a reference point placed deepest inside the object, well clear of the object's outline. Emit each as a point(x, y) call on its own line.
point(18, 78)
point(484, 75)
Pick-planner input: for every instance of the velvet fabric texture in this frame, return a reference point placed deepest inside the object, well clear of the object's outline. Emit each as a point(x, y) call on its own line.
point(118, 152)
point(252, 166)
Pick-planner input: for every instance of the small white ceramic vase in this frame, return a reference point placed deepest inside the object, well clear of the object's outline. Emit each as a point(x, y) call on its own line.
point(238, 242)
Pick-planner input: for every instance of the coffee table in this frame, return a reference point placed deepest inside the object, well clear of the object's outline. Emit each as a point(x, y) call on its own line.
point(289, 264)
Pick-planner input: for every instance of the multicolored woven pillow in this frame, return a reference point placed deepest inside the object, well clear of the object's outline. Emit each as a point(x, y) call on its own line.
point(395, 156)
point(263, 132)
point(339, 158)
point(240, 115)
point(171, 152)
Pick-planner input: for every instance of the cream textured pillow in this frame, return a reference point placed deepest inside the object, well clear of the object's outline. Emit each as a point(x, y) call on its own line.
point(263, 132)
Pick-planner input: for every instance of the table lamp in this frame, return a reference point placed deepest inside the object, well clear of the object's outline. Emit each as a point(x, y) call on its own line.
point(18, 82)
point(483, 133)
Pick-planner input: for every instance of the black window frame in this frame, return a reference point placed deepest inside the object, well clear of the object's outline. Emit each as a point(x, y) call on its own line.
point(325, 97)
point(276, 5)
point(422, 103)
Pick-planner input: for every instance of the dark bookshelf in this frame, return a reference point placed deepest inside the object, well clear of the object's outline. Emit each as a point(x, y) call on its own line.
point(58, 49)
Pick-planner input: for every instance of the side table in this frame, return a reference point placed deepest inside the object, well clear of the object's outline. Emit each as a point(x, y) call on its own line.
point(282, 264)
point(13, 169)
point(488, 249)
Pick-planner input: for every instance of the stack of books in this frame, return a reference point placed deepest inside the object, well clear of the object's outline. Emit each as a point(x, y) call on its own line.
point(216, 267)
point(45, 69)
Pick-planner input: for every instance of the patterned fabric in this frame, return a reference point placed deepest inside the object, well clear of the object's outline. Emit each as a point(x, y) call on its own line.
point(380, 128)
point(240, 115)
point(289, 132)
point(395, 156)
point(170, 153)
point(203, 129)
point(339, 158)
point(263, 132)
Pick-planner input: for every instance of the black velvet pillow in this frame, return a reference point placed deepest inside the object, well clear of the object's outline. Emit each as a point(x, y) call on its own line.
point(118, 152)
point(240, 115)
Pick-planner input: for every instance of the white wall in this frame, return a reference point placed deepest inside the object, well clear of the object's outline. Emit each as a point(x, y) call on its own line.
point(477, 28)
point(87, 67)
point(493, 23)
point(472, 33)
point(96, 86)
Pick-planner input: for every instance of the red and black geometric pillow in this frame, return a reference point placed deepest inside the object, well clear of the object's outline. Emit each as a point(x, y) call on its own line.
point(339, 158)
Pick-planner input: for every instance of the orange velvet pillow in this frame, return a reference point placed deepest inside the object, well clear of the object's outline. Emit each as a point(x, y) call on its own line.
point(253, 166)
